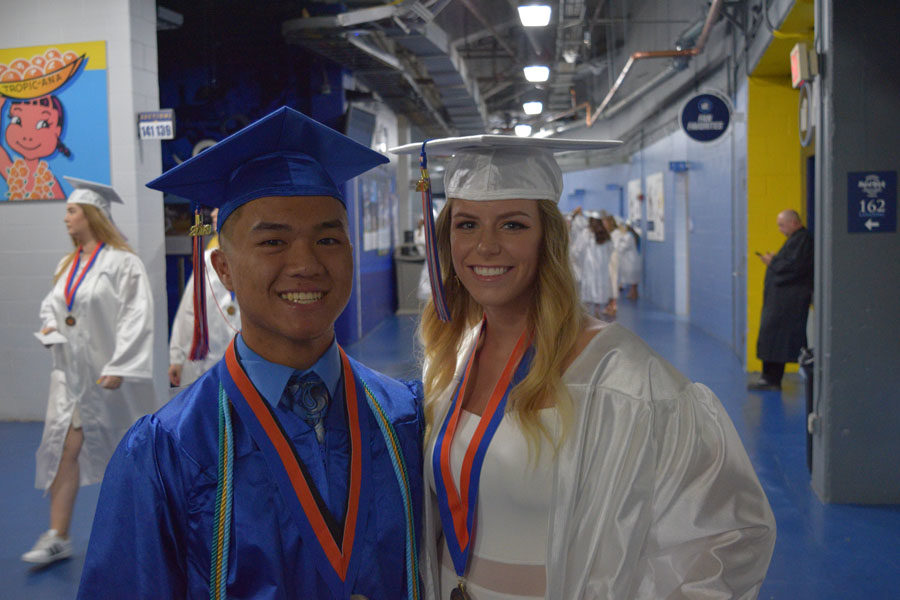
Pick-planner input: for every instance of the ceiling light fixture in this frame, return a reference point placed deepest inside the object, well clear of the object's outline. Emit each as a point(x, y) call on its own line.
point(534, 15)
point(533, 108)
point(523, 130)
point(537, 73)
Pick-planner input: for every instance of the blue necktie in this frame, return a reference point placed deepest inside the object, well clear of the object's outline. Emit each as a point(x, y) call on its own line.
point(308, 398)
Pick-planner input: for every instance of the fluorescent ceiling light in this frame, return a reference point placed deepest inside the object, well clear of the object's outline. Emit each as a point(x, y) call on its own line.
point(523, 130)
point(537, 73)
point(533, 108)
point(534, 15)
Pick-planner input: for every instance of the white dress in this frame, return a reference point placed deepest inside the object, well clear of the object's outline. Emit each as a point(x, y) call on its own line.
point(223, 318)
point(112, 336)
point(512, 514)
point(596, 287)
point(652, 493)
point(629, 259)
point(614, 282)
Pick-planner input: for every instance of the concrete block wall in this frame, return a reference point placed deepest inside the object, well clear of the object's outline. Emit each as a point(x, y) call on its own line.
point(32, 235)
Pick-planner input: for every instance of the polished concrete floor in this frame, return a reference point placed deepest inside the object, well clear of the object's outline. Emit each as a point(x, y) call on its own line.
point(822, 552)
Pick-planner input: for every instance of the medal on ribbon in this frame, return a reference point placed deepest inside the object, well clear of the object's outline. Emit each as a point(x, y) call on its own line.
point(71, 289)
point(330, 545)
point(458, 506)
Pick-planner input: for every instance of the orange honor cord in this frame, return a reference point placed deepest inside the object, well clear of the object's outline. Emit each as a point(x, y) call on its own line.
point(257, 416)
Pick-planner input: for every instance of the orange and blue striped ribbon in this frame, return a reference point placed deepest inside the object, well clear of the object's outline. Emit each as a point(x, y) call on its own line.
point(338, 557)
point(457, 507)
point(70, 290)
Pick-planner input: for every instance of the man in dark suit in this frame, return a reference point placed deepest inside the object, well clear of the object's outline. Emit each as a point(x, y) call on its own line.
point(786, 297)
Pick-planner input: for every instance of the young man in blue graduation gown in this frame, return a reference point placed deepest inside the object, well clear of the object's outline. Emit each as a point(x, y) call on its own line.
point(253, 483)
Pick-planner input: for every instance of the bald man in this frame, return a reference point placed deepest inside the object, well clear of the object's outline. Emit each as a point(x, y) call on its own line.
point(786, 297)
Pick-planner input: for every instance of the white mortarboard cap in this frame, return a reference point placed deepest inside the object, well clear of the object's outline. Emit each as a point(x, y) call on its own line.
point(499, 167)
point(492, 167)
point(93, 193)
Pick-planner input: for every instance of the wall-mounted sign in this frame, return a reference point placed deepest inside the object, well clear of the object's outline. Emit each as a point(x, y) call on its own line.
point(53, 119)
point(656, 208)
point(679, 166)
point(157, 125)
point(872, 202)
point(706, 117)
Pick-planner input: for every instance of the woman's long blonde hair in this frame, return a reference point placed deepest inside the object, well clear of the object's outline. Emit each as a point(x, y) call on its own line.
point(556, 317)
point(103, 231)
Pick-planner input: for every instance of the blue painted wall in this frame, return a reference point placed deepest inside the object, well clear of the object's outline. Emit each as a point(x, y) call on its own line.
point(374, 295)
point(714, 228)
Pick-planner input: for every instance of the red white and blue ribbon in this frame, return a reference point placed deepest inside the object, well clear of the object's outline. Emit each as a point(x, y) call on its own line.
point(72, 290)
point(458, 505)
point(431, 252)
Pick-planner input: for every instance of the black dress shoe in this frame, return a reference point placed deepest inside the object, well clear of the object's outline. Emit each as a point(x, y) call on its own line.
point(763, 386)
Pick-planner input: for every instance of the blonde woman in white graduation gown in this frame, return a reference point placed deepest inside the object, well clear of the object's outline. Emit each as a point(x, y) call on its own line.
point(565, 459)
point(223, 320)
point(101, 378)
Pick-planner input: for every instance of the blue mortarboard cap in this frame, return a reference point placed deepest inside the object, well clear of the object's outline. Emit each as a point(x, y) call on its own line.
point(283, 154)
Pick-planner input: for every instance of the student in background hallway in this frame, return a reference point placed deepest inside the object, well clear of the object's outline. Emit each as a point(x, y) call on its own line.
point(629, 260)
point(101, 379)
point(223, 319)
point(787, 293)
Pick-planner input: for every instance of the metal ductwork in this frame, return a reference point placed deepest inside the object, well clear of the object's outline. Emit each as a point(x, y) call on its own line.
point(402, 55)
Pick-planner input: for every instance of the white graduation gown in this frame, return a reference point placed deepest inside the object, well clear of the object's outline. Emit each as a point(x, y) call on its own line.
point(113, 335)
point(596, 286)
point(614, 283)
point(629, 260)
point(222, 325)
point(653, 494)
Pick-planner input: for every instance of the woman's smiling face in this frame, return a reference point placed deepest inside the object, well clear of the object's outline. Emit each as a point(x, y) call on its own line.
point(495, 247)
point(33, 130)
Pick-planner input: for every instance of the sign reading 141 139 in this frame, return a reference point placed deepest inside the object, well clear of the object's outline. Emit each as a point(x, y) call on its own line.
point(872, 202)
point(705, 117)
point(157, 125)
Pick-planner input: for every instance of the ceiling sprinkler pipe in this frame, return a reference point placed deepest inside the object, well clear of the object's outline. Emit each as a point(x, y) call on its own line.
point(711, 16)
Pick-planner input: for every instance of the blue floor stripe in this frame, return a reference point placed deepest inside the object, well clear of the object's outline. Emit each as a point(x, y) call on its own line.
point(823, 552)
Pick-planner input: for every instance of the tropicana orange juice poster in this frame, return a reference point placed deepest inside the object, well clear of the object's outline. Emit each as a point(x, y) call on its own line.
point(54, 119)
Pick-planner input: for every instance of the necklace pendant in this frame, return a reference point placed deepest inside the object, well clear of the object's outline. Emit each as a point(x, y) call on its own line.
point(230, 310)
point(70, 321)
point(459, 592)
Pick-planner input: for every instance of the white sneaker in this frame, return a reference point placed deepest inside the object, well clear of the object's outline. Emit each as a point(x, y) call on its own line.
point(49, 548)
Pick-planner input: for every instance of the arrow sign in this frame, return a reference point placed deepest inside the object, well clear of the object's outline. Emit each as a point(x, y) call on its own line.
point(872, 202)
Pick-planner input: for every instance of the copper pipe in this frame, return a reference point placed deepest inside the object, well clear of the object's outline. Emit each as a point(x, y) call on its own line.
point(714, 9)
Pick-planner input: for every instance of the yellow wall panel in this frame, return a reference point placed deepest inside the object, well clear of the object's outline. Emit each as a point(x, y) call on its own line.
point(774, 182)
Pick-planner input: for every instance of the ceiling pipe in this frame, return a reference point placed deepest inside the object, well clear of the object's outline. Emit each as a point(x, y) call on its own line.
point(590, 118)
point(711, 16)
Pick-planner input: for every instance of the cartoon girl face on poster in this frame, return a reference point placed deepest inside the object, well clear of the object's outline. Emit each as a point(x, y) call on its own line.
point(35, 95)
point(33, 130)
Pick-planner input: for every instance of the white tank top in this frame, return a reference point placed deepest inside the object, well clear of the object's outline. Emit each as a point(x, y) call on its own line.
point(512, 513)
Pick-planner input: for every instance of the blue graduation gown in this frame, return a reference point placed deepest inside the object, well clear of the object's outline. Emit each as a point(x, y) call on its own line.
point(153, 526)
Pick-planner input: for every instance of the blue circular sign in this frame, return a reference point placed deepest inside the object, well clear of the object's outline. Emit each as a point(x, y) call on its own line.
point(706, 117)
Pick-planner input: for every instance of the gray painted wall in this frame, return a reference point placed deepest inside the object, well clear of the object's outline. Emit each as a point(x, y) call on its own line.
point(857, 376)
point(32, 235)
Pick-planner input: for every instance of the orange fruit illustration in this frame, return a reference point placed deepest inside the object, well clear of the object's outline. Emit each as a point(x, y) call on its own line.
point(52, 53)
point(10, 75)
point(20, 64)
point(38, 61)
